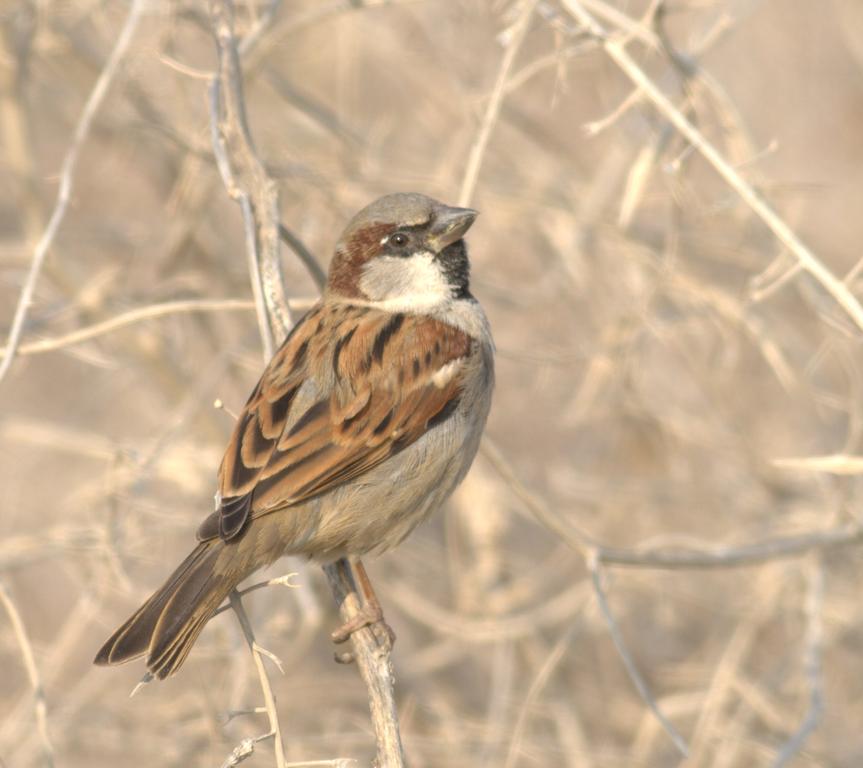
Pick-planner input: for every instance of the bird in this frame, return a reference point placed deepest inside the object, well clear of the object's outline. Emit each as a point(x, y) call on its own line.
point(365, 420)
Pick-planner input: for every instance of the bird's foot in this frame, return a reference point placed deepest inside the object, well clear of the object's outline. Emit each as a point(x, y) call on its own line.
point(369, 615)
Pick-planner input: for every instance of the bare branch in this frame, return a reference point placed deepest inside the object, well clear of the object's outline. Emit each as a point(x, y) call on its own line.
point(250, 186)
point(734, 556)
point(280, 581)
point(668, 557)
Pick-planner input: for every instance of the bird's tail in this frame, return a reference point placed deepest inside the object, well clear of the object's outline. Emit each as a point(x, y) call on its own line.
point(166, 626)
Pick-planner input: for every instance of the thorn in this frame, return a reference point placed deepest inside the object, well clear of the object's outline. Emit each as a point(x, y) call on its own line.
point(219, 405)
point(285, 580)
point(232, 713)
point(148, 677)
point(270, 655)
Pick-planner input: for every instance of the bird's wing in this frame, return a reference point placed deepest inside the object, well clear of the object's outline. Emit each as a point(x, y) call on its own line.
point(349, 388)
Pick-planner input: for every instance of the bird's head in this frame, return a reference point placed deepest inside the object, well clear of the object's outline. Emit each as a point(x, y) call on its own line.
point(404, 252)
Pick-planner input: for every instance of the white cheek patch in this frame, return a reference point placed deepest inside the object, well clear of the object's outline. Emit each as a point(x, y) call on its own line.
point(415, 283)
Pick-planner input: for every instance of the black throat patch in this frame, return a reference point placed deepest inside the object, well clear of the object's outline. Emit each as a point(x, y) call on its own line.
point(456, 268)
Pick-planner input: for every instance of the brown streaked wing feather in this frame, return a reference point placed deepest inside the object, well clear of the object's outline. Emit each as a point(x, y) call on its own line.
point(386, 396)
point(383, 373)
point(258, 429)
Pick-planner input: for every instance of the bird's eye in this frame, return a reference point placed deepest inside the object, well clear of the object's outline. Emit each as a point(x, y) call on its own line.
point(399, 239)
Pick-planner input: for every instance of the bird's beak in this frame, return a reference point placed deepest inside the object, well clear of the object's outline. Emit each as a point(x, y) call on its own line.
point(449, 225)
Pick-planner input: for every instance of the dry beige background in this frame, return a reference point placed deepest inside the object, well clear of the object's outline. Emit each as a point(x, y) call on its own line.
point(657, 354)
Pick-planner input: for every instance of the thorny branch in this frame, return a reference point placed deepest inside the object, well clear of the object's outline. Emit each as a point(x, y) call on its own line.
point(269, 697)
point(674, 553)
point(375, 664)
point(247, 182)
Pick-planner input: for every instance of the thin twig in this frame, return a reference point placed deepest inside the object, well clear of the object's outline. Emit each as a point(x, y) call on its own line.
point(492, 110)
point(82, 130)
point(809, 261)
point(269, 696)
point(245, 749)
point(39, 704)
point(258, 200)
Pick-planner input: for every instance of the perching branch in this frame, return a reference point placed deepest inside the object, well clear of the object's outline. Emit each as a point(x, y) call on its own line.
point(375, 666)
point(247, 182)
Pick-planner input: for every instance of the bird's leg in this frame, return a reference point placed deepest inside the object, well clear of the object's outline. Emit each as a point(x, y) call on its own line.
point(370, 613)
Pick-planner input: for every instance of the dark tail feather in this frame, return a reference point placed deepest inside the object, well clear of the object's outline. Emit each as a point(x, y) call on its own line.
point(166, 626)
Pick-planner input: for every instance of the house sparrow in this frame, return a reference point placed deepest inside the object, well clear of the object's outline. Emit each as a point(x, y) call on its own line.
point(364, 422)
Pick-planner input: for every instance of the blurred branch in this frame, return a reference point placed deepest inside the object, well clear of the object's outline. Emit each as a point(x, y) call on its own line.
point(628, 662)
point(616, 49)
point(596, 555)
point(82, 130)
point(24, 549)
point(27, 656)
point(256, 194)
point(736, 556)
point(516, 35)
point(812, 663)
point(305, 256)
point(542, 677)
point(140, 314)
point(668, 557)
